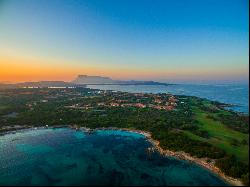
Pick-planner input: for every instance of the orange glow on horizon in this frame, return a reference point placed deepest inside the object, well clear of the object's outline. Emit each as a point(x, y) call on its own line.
point(27, 69)
point(21, 70)
point(31, 69)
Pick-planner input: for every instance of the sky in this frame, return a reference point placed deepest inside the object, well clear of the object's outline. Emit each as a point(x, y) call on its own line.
point(168, 40)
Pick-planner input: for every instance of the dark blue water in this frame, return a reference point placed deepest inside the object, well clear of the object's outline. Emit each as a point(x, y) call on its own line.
point(109, 157)
point(236, 94)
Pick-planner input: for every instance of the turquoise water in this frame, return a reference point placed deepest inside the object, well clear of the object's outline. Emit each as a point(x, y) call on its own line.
point(107, 157)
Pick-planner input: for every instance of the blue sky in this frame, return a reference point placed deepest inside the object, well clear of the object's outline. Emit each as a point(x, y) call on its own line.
point(159, 40)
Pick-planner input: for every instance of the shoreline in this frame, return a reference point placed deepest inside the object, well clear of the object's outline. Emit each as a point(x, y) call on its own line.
point(198, 161)
point(180, 155)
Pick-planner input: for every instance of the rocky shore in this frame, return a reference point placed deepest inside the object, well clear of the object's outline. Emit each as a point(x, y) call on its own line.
point(210, 165)
point(204, 162)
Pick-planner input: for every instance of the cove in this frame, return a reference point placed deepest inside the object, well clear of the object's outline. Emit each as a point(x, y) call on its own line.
point(64, 156)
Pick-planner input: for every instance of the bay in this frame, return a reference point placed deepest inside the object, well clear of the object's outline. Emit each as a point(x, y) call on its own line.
point(64, 156)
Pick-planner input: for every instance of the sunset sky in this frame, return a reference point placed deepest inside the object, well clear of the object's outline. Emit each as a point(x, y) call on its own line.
point(132, 39)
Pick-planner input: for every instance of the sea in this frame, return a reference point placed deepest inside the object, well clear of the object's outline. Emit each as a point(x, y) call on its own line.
point(235, 94)
point(64, 156)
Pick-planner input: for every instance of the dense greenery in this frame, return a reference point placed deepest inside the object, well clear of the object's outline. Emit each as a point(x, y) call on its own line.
point(178, 142)
point(245, 179)
point(232, 167)
point(235, 121)
point(196, 126)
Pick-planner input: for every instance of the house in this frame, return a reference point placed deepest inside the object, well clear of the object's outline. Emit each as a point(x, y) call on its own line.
point(172, 99)
point(140, 105)
point(114, 104)
point(101, 104)
point(157, 100)
point(126, 104)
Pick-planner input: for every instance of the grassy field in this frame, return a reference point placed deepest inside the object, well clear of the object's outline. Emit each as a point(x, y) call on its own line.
point(2, 107)
point(222, 136)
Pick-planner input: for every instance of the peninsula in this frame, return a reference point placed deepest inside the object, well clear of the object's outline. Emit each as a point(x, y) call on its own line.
point(182, 126)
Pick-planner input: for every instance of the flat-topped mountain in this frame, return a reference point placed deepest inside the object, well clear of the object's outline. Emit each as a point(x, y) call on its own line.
point(85, 79)
point(98, 80)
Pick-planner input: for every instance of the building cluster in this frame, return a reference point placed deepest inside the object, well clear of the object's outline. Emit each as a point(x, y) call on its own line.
point(171, 104)
point(139, 105)
point(131, 100)
point(94, 99)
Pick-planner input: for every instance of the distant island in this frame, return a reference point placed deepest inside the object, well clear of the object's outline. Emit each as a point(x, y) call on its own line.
point(79, 81)
point(98, 80)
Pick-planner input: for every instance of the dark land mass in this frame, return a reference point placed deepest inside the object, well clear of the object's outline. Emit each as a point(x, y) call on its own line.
point(199, 127)
point(98, 80)
point(40, 84)
point(80, 81)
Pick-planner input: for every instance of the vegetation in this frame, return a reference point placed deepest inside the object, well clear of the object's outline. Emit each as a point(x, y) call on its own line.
point(232, 167)
point(197, 126)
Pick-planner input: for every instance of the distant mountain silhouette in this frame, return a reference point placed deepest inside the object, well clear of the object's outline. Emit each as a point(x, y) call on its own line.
point(40, 84)
point(85, 79)
point(80, 81)
point(99, 80)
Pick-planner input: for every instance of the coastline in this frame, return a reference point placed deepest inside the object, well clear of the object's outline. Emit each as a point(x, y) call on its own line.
point(180, 155)
point(199, 161)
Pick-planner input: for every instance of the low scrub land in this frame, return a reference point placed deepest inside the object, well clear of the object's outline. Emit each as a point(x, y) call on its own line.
point(196, 126)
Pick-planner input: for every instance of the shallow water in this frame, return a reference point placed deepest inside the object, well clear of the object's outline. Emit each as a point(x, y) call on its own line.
point(64, 156)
